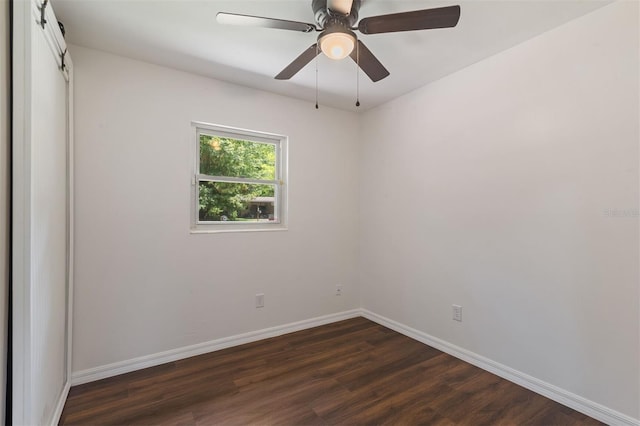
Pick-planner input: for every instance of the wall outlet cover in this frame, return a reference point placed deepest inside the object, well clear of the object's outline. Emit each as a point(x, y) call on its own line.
point(457, 312)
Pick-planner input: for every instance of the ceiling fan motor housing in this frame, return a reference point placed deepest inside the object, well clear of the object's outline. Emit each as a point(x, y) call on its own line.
point(325, 17)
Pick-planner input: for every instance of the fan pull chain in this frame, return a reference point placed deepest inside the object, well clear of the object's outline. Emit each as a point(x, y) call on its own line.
point(317, 53)
point(357, 74)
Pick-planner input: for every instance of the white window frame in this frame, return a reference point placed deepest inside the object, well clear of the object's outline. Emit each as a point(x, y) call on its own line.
point(280, 181)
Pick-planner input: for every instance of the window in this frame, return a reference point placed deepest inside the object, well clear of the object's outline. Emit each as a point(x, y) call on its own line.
point(239, 182)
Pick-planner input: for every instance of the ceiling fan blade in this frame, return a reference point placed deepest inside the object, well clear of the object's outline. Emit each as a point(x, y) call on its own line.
point(368, 62)
point(299, 63)
point(442, 17)
point(342, 7)
point(259, 21)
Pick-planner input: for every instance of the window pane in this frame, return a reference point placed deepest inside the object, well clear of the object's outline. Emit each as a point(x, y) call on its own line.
point(225, 201)
point(237, 158)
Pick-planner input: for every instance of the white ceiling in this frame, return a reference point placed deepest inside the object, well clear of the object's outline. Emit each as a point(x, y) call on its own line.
point(184, 34)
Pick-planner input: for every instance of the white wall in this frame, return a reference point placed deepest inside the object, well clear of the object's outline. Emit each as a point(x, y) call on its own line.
point(5, 138)
point(143, 283)
point(489, 188)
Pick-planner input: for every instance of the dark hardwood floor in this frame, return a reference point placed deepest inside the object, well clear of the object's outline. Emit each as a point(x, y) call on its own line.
point(350, 372)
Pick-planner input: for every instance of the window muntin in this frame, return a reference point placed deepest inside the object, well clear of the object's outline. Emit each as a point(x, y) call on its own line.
point(239, 181)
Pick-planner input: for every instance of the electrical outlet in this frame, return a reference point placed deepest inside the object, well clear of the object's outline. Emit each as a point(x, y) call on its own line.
point(260, 300)
point(457, 312)
point(339, 290)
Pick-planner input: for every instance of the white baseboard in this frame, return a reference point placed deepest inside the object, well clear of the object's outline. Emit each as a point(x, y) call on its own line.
point(109, 370)
point(576, 402)
point(55, 419)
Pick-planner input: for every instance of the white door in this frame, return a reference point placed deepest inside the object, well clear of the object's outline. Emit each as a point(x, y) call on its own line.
point(41, 302)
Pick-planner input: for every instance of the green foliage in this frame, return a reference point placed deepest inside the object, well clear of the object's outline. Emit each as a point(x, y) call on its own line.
point(233, 158)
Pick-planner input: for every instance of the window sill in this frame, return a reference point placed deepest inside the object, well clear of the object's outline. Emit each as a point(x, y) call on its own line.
point(236, 229)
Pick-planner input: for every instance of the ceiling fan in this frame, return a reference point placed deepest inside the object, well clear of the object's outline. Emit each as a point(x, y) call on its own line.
point(335, 21)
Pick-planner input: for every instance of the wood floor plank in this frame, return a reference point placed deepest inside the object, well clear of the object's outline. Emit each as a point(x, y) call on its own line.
point(349, 372)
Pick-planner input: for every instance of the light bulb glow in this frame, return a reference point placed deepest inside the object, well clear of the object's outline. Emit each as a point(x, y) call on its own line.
point(337, 45)
point(337, 51)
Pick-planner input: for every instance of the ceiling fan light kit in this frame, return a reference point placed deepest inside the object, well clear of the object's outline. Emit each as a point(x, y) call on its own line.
point(336, 21)
point(337, 42)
